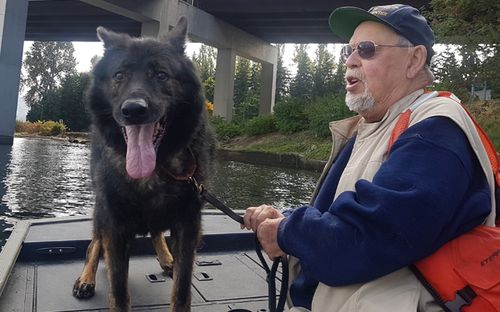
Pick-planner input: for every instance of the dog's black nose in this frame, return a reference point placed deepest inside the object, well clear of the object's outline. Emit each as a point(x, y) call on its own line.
point(134, 108)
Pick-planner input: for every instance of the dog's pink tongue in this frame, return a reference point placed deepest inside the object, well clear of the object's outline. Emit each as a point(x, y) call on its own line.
point(141, 155)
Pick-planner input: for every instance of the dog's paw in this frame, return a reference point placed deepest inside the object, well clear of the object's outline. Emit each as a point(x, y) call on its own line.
point(168, 271)
point(83, 290)
point(167, 267)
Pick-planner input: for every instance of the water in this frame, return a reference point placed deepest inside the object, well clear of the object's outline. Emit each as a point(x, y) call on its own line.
point(50, 178)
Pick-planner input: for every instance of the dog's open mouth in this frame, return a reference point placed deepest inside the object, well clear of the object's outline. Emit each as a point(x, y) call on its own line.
point(142, 143)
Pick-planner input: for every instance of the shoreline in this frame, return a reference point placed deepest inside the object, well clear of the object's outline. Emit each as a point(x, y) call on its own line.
point(251, 157)
point(272, 159)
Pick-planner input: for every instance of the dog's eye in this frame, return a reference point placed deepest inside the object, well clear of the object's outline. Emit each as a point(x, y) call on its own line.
point(161, 75)
point(118, 76)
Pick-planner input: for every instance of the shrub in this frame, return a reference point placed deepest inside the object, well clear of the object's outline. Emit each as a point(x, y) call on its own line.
point(46, 128)
point(52, 128)
point(225, 130)
point(28, 127)
point(260, 125)
point(323, 111)
point(290, 116)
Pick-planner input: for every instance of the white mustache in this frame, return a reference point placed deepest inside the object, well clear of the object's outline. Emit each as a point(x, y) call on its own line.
point(354, 73)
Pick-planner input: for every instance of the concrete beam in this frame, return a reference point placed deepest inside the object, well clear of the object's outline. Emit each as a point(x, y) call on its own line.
point(13, 14)
point(206, 28)
point(203, 27)
point(142, 11)
point(224, 83)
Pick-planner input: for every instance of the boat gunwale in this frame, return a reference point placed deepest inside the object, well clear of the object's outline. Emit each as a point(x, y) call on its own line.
point(11, 250)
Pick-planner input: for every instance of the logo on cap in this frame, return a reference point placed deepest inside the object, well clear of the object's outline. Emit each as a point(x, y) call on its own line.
point(384, 10)
point(379, 13)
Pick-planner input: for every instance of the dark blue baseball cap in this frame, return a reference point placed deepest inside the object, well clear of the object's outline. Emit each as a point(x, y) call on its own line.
point(403, 19)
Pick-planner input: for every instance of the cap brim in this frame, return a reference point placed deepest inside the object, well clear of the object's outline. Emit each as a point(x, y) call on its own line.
point(344, 20)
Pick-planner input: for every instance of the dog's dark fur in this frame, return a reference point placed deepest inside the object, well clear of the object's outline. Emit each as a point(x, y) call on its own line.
point(137, 82)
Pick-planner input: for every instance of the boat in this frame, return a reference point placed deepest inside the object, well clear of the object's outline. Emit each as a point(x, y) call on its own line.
point(42, 259)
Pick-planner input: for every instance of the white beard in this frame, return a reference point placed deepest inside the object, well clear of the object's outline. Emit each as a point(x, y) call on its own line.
point(360, 103)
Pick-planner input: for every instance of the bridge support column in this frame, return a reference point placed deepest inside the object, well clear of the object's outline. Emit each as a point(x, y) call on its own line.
point(13, 14)
point(224, 83)
point(267, 88)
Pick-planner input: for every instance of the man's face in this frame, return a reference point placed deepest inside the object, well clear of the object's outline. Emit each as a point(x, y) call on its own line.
point(374, 84)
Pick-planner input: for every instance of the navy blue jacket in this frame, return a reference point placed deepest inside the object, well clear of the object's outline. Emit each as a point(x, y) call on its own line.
point(430, 190)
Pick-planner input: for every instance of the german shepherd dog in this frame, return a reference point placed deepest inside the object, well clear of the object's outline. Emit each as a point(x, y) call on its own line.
point(149, 135)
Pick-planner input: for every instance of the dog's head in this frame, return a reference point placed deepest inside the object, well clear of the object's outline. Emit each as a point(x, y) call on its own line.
point(150, 89)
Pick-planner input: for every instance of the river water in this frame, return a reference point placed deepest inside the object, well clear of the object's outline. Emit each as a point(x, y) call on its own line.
point(50, 178)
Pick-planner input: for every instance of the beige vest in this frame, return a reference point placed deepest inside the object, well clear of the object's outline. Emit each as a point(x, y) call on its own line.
point(399, 291)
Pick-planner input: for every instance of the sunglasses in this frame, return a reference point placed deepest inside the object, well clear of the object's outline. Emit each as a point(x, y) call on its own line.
point(366, 49)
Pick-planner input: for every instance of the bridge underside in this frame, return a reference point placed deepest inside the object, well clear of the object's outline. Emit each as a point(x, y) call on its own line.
point(234, 27)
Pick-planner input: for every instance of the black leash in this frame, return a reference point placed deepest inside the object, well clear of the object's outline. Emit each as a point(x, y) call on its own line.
point(271, 272)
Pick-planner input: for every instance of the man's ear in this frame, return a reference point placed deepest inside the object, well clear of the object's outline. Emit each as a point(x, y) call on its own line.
point(417, 61)
point(110, 38)
point(177, 36)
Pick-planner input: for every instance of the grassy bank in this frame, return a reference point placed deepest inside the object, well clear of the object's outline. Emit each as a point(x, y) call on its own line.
point(304, 144)
point(308, 145)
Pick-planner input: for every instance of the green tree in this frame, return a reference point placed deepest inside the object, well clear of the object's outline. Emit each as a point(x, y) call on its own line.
point(324, 72)
point(446, 68)
point(474, 27)
point(74, 113)
point(246, 90)
point(282, 75)
point(490, 68)
point(338, 84)
point(209, 86)
point(241, 79)
point(205, 62)
point(465, 21)
point(45, 66)
point(47, 108)
point(302, 84)
point(255, 75)
point(65, 103)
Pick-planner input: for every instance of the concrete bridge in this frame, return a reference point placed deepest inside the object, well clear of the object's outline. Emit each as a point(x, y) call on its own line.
point(234, 27)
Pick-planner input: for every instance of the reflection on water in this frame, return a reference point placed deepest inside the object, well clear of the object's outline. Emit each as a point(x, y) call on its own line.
point(50, 178)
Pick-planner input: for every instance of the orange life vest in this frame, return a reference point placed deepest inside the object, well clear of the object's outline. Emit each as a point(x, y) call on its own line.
point(464, 274)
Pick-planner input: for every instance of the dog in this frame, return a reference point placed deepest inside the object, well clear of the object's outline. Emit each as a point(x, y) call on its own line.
point(150, 136)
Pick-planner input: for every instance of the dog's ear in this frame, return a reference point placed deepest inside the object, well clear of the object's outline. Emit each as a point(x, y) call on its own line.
point(177, 36)
point(110, 38)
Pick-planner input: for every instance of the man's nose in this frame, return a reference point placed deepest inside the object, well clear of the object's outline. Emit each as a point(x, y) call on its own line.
point(353, 60)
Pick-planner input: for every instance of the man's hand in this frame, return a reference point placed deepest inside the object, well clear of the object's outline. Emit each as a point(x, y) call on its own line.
point(254, 216)
point(267, 233)
point(265, 220)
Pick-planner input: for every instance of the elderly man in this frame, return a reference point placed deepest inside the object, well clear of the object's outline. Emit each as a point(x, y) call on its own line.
point(376, 211)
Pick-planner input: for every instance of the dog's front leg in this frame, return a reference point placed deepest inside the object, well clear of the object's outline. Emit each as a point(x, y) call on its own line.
point(164, 256)
point(117, 254)
point(84, 286)
point(185, 243)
